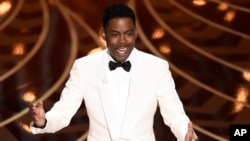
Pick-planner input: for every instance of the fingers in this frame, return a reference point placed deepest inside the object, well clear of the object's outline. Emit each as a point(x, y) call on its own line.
point(34, 108)
point(38, 105)
point(190, 127)
point(191, 134)
point(37, 113)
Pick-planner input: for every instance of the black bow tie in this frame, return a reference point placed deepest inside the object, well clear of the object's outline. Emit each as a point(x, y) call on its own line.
point(126, 65)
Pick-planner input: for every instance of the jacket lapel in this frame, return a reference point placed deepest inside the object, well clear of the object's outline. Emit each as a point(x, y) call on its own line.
point(107, 99)
point(109, 110)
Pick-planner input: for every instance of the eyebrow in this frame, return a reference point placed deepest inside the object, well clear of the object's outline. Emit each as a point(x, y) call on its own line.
point(124, 32)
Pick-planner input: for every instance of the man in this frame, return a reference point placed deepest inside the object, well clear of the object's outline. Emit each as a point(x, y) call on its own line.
point(121, 88)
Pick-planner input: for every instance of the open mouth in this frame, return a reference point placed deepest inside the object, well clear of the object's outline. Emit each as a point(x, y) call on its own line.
point(122, 50)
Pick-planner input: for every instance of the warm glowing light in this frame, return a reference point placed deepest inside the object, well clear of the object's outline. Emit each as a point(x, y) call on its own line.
point(25, 30)
point(95, 50)
point(25, 127)
point(229, 16)
point(199, 2)
point(222, 7)
point(246, 76)
point(29, 97)
point(242, 98)
point(158, 33)
point(18, 49)
point(4, 7)
point(165, 49)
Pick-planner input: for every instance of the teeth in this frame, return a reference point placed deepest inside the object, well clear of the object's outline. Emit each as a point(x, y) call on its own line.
point(122, 50)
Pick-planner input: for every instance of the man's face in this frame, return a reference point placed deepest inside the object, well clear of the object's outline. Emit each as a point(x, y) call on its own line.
point(120, 35)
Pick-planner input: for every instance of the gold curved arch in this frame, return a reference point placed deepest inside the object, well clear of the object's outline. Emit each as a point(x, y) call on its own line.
point(189, 44)
point(208, 133)
point(60, 81)
point(13, 15)
point(95, 36)
point(183, 74)
point(37, 46)
point(175, 3)
point(157, 53)
point(243, 9)
point(91, 32)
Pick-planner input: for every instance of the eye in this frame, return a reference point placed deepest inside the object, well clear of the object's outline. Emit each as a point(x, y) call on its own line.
point(130, 33)
point(114, 34)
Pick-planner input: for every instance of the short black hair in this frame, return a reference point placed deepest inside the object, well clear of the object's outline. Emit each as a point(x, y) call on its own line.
point(117, 10)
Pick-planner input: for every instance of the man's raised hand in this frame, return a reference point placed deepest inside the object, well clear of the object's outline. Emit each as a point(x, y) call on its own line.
point(37, 114)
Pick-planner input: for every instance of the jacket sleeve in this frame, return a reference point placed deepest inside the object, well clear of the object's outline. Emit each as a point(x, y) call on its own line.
point(171, 107)
point(60, 115)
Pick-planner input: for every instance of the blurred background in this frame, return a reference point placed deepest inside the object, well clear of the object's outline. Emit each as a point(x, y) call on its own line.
point(206, 42)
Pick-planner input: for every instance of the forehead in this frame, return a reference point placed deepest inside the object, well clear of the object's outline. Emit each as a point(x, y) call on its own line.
point(120, 24)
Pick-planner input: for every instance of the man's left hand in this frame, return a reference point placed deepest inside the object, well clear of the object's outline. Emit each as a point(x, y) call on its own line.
point(191, 136)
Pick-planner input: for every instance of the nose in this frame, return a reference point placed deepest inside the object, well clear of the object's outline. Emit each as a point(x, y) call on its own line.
point(122, 39)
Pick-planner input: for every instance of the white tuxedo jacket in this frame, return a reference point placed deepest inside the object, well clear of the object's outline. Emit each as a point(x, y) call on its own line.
point(151, 85)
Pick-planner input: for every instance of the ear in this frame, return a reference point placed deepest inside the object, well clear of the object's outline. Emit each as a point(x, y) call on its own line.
point(136, 32)
point(103, 34)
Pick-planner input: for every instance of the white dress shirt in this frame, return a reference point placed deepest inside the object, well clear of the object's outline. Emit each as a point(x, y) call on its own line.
point(119, 87)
